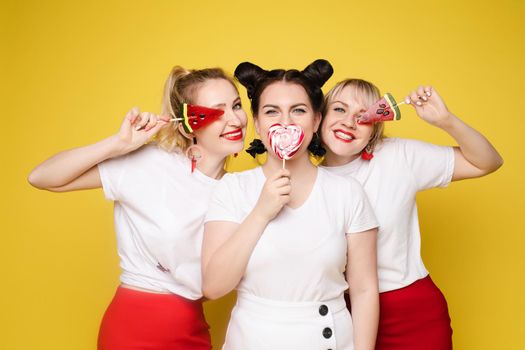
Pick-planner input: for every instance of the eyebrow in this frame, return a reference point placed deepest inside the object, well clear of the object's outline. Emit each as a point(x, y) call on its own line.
point(341, 102)
point(292, 106)
point(268, 106)
point(219, 105)
point(299, 104)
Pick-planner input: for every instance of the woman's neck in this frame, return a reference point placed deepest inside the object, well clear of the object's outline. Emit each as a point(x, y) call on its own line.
point(212, 166)
point(303, 175)
point(332, 159)
point(297, 166)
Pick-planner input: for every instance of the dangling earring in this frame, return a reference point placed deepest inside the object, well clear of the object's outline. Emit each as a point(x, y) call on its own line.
point(368, 152)
point(194, 153)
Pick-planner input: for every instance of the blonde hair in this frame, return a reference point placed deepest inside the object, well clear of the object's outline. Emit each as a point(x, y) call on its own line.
point(365, 91)
point(181, 87)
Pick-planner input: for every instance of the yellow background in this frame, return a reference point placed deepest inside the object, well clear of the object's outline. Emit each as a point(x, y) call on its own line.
point(70, 70)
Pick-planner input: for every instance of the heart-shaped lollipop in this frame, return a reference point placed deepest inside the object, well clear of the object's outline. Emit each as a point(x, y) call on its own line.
point(285, 140)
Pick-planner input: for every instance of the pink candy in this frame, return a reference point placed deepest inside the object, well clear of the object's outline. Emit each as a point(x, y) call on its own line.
point(285, 140)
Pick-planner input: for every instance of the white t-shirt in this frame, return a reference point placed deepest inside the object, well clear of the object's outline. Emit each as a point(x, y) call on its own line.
point(400, 168)
point(159, 212)
point(301, 255)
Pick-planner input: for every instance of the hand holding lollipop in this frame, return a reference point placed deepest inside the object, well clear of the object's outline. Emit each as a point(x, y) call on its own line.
point(429, 106)
point(427, 102)
point(285, 140)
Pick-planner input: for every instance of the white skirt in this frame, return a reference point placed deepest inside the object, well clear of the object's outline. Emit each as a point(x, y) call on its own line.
point(263, 324)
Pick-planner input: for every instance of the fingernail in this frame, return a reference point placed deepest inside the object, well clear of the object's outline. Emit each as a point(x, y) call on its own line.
point(407, 101)
point(425, 98)
point(418, 103)
point(138, 127)
point(428, 93)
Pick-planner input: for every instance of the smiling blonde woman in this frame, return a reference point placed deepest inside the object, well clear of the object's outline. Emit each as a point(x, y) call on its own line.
point(158, 304)
point(413, 311)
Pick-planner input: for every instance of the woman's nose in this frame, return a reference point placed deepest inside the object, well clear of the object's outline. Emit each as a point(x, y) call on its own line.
point(232, 118)
point(350, 120)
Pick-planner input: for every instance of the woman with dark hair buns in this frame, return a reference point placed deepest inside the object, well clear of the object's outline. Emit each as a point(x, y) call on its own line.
point(284, 237)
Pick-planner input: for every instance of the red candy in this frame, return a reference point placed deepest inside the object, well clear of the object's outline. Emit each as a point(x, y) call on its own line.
point(285, 140)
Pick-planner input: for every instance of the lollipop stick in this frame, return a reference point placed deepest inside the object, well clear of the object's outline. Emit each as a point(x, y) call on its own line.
point(179, 119)
point(170, 120)
point(400, 103)
point(283, 163)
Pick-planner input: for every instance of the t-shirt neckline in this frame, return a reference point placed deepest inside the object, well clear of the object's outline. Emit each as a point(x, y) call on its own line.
point(197, 173)
point(345, 168)
point(310, 195)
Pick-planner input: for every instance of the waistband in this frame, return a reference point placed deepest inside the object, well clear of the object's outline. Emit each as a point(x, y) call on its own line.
point(130, 293)
point(287, 309)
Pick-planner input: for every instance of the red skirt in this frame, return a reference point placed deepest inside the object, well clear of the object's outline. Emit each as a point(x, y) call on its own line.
point(140, 320)
point(414, 318)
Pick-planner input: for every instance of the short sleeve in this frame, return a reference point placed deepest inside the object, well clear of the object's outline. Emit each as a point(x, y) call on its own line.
point(224, 204)
point(431, 165)
point(111, 172)
point(360, 215)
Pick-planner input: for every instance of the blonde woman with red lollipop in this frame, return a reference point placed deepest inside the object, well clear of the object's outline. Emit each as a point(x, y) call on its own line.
point(413, 313)
point(283, 234)
point(161, 192)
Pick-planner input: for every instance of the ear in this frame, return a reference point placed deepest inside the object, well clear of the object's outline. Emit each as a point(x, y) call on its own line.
point(189, 136)
point(256, 126)
point(317, 121)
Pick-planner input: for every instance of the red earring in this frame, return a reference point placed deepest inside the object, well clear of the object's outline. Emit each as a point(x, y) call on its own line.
point(367, 153)
point(194, 153)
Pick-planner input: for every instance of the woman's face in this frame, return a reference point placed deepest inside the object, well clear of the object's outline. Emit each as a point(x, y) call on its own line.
point(286, 103)
point(342, 136)
point(226, 135)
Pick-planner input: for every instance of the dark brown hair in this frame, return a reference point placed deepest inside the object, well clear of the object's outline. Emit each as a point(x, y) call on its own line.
point(312, 78)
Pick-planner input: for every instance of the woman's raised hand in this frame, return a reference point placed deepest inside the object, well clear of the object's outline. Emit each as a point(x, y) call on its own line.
point(138, 128)
point(429, 105)
point(274, 195)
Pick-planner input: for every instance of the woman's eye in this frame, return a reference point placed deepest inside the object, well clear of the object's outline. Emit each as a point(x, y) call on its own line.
point(270, 112)
point(298, 111)
point(237, 106)
point(339, 109)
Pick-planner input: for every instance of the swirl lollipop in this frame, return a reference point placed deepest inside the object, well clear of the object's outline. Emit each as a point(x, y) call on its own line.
point(285, 140)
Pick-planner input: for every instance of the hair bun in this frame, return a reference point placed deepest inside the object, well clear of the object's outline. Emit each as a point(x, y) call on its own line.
point(248, 74)
point(319, 71)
